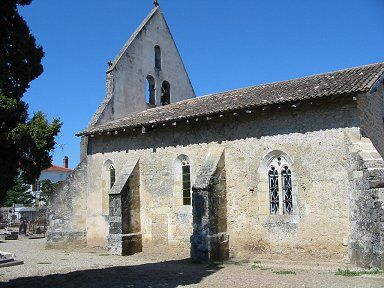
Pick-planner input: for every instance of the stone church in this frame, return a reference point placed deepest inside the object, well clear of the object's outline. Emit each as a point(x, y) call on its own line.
point(287, 170)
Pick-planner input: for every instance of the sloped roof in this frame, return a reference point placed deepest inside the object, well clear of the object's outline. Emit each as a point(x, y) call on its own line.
point(55, 168)
point(352, 80)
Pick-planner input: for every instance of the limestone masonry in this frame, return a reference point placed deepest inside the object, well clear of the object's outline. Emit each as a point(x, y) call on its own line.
point(288, 170)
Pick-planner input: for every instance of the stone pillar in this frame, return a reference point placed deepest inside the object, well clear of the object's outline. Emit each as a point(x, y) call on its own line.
point(366, 240)
point(124, 213)
point(209, 241)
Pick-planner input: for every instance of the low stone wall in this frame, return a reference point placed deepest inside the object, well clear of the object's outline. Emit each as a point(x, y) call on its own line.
point(67, 211)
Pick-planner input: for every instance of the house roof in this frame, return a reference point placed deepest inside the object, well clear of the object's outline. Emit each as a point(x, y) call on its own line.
point(55, 168)
point(352, 80)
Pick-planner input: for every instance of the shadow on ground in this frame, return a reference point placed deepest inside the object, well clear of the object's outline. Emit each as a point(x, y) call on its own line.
point(161, 274)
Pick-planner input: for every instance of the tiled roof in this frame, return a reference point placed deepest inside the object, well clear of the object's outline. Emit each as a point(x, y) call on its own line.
point(57, 169)
point(353, 80)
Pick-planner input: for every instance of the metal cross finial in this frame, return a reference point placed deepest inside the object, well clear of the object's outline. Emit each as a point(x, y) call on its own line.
point(156, 3)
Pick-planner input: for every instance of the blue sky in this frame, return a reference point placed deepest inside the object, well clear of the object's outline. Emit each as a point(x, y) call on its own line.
point(224, 44)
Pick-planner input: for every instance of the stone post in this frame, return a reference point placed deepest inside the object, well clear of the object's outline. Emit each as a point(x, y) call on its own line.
point(124, 213)
point(209, 241)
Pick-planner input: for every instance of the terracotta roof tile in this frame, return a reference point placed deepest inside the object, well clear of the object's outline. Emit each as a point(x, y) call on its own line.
point(58, 169)
point(353, 80)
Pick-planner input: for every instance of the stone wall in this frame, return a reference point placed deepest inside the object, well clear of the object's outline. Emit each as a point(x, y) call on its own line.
point(371, 114)
point(366, 240)
point(318, 228)
point(67, 211)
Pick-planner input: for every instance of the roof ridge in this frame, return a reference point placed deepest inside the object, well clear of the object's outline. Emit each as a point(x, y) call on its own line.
point(268, 84)
point(289, 80)
point(132, 37)
point(350, 80)
point(57, 167)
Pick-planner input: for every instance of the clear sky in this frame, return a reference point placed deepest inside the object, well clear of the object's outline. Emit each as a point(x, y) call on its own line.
point(224, 44)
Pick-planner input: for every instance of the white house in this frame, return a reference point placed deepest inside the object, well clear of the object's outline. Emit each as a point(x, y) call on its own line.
point(55, 174)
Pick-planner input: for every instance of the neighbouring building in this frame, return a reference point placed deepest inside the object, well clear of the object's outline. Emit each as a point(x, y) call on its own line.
point(287, 170)
point(54, 174)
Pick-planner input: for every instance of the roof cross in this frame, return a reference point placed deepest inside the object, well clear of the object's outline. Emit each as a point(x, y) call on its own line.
point(156, 3)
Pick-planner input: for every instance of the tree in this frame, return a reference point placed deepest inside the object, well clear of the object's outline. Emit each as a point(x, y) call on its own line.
point(18, 194)
point(47, 189)
point(25, 143)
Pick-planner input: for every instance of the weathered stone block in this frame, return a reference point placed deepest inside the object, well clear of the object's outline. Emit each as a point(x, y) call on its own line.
point(375, 177)
point(125, 244)
point(132, 244)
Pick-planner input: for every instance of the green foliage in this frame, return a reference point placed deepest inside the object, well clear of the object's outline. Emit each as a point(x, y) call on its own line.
point(18, 194)
point(20, 56)
point(25, 142)
point(35, 138)
point(47, 188)
point(349, 273)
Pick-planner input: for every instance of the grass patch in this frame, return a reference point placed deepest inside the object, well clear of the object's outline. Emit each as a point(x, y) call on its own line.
point(349, 273)
point(285, 272)
point(104, 254)
point(44, 263)
point(256, 265)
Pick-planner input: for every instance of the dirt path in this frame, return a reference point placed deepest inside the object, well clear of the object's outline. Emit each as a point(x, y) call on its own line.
point(55, 268)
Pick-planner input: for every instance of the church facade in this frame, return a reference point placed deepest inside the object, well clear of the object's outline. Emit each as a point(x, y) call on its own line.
point(287, 170)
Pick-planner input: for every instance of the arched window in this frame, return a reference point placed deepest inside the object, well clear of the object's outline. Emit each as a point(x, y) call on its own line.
point(150, 91)
point(112, 176)
point(280, 186)
point(157, 57)
point(186, 177)
point(165, 93)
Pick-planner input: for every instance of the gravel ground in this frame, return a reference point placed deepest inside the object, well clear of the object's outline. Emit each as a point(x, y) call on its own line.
point(59, 268)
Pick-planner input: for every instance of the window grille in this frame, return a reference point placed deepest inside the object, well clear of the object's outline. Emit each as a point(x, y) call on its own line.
point(280, 186)
point(274, 190)
point(287, 189)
